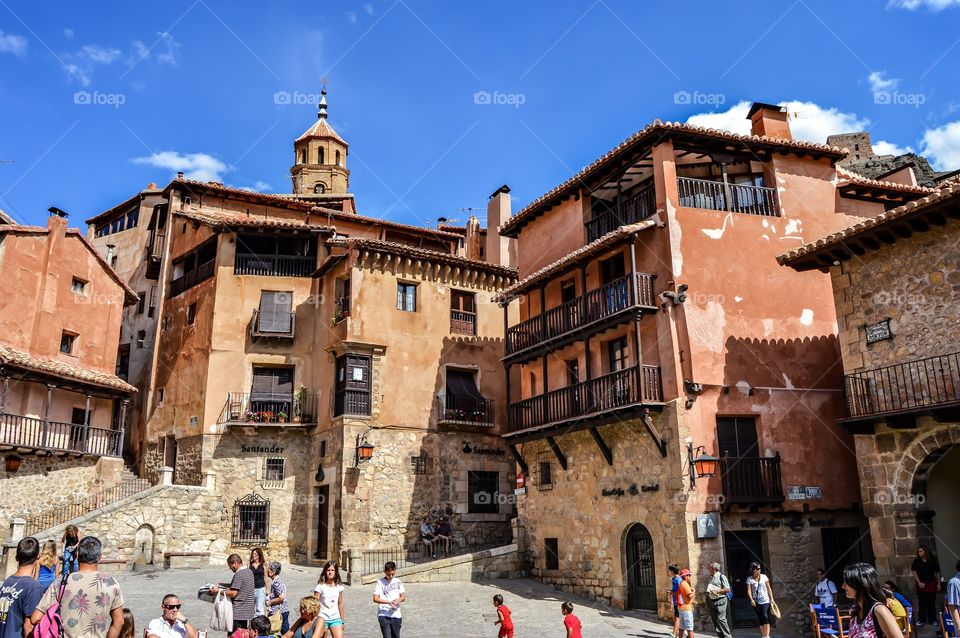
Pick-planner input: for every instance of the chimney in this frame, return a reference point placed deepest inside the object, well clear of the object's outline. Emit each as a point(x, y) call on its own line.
point(152, 186)
point(179, 174)
point(500, 250)
point(769, 120)
point(57, 222)
point(472, 239)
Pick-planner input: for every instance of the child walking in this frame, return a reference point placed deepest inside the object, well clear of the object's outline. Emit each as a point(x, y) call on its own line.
point(503, 618)
point(571, 622)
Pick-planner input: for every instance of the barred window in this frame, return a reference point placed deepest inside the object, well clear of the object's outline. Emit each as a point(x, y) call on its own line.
point(544, 472)
point(420, 464)
point(251, 520)
point(274, 471)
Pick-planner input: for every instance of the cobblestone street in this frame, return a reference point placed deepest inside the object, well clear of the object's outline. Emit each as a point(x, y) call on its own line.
point(432, 609)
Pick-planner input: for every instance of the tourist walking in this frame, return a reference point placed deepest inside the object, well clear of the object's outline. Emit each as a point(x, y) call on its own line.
point(46, 567)
point(675, 579)
point(503, 618)
point(92, 604)
point(717, 599)
point(951, 602)
point(871, 617)
point(171, 623)
point(825, 590)
point(240, 592)
point(330, 594)
point(259, 581)
point(685, 600)
point(277, 599)
point(70, 540)
point(926, 575)
point(761, 598)
point(20, 592)
point(388, 594)
point(570, 622)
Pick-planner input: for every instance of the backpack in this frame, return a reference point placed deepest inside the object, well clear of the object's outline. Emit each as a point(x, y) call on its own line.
point(51, 625)
point(727, 586)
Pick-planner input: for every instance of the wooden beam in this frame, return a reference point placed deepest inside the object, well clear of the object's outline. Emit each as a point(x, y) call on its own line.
point(557, 452)
point(518, 457)
point(918, 225)
point(870, 243)
point(885, 237)
point(903, 231)
point(648, 423)
point(604, 449)
point(937, 219)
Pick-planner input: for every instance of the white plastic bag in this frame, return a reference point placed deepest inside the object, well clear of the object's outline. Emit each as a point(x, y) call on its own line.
point(222, 617)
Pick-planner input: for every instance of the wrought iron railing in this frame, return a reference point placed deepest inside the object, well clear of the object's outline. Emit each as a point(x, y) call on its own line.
point(925, 383)
point(609, 299)
point(463, 323)
point(713, 195)
point(420, 552)
point(751, 480)
point(632, 386)
point(280, 326)
point(274, 265)
point(189, 280)
point(633, 209)
point(254, 408)
point(68, 510)
point(32, 432)
point(453, 409)
point(354, 402)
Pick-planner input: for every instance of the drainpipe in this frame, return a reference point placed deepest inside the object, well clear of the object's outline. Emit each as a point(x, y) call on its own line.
point(86, 423)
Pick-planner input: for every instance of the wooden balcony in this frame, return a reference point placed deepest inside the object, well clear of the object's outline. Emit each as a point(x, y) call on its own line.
point(257, 409)
point(351, 403)
point(31, 434)
point(463, 323)
point(632, 209)
point(274, 265)
point(589, 403)
point(155, 256)
point(452, 410)
point(275, 326)
point(751, 480)
point(189, 280)
point(900, 393)
point(736, 198)
point(611, 304)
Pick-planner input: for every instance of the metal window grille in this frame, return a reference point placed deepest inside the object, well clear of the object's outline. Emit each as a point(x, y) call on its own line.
point(551, 547)
point(544, 472)
point(420, 465)
point(251, 520)
point(274, 472)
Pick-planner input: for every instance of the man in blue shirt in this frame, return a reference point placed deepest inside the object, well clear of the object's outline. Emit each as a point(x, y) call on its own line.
point(952, 598)
point(20, 593)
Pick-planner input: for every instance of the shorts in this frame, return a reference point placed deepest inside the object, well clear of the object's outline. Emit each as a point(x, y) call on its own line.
point(676, 611)
point(763, 613)
point(686, 620)
point(336, 622)
point(505, 632)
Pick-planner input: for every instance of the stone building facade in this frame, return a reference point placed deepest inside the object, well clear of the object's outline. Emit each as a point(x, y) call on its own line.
point(897, 292)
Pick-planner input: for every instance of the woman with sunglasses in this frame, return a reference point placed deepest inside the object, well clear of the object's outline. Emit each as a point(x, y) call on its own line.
point(871, 618)
point(761, 597)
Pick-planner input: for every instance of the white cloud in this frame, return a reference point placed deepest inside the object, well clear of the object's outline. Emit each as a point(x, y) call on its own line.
point(932, 5)
point(170, 49)
point(140, 51)
point(889, 148)
point(941, 146)
point(199, 166)
point(259, 186)
point(368, 8)
point(15, 44)
point(351, 17)
point(100, 55)
point(881, 86)
point(808, 121)
point(68, 34)
point(82, 64)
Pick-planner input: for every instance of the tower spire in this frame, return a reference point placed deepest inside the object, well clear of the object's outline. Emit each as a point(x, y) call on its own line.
point(322, 106)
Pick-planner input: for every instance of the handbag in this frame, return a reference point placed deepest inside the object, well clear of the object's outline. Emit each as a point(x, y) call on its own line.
point(276, 622)
point(51, 625)
point(774, 609)
point(222, 617)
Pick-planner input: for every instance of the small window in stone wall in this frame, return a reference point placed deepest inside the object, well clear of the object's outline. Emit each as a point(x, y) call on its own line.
point(551, 553)
point(483, 491)
point(544, 472)
point(251, 520)
point(274, 472)
point(420, 465)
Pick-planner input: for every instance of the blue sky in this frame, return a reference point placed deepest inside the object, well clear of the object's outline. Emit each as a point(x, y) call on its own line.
point(441, 102)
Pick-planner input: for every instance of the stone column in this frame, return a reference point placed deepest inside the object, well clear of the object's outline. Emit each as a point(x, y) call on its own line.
point(210, 480)
point(356, 566)
point(166, 476)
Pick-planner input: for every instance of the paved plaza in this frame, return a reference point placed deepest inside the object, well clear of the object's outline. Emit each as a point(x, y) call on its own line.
point(463, 609)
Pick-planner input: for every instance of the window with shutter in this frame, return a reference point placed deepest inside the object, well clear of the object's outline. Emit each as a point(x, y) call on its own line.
point(272, 392)
point(276, 312)
point(737, 436)
point(352, 390)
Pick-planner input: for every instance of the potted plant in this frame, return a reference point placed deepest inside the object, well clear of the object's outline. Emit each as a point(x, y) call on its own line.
point(298, 398)
point(266, 416)
point(282, 416)
point(251, 416)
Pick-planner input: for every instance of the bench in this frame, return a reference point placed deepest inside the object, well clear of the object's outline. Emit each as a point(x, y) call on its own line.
point(185, 560)
point(112, 565)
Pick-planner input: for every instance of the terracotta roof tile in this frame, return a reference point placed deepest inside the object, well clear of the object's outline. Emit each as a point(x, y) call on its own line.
point(667, 128)
point(849, 177)
point(224, 219)
point(422, 253)
point(321, 128)
point(17, 358)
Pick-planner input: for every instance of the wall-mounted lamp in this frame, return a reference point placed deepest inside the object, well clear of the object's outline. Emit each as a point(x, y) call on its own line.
point(364, 448)
point(700, 465)
point(12, 464)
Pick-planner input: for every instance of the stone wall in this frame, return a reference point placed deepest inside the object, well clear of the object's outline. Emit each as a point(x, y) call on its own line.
point(152, 459)
point(188, 470)
point(500, 562)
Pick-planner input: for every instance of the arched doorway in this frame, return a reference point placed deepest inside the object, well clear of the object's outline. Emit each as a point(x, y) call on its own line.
point(641, 580)
point(143, 546)
point(940, 505)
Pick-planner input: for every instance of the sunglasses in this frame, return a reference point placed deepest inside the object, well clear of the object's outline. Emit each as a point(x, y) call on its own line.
point(171, 606)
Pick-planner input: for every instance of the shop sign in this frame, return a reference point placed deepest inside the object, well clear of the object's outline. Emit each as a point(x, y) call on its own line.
point(878, 331)
point(804, 492)
point(708, 525)
point(261, 449)
point(633, 490)
point(487, 451)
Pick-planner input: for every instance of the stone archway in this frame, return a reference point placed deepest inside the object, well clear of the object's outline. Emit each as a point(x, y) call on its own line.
point(143, 546)
point(640, 568)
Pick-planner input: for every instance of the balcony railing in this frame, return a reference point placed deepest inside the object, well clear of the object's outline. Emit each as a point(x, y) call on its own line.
point(270, 409)
point(633, 209)
point(351, 402)
point(743, 198)
point(629, 387)
point(456, 410)
point(341, 308)
point(156, 246)
point(578, 313)
point(905, 387)
point(751, 480)
point(274, 265)
point(38, 434)
point(463, 323)
point(189, 280)
point(280, 326)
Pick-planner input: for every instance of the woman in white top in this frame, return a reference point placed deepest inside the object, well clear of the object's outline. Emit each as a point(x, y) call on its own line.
point(330, 593)
point(761, 597)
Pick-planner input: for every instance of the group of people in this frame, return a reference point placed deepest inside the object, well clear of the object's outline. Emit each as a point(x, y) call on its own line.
point(436, 535)
point(876, 609)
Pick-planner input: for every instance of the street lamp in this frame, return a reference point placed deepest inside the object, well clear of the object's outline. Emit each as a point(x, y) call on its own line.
point(701, 465)
point(364, 449)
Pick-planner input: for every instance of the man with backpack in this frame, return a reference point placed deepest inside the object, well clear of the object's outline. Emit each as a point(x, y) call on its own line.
point(20, 593)
point(718, 595)
point(84, 604)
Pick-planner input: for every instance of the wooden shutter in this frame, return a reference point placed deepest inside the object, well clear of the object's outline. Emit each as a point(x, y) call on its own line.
point(275, 311)
point(462, 301)
point(272, 383)
point(737, 436)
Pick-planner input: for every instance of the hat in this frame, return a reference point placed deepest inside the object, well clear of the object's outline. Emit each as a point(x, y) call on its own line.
point(684, 573)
